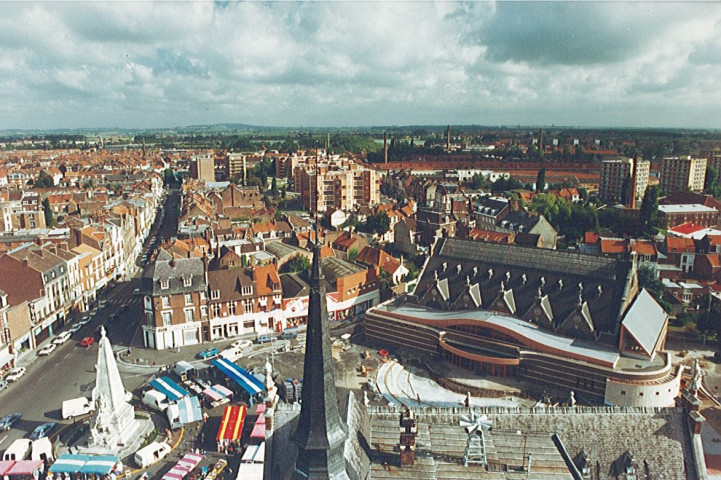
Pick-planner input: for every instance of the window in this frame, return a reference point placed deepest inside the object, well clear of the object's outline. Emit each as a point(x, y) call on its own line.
point(164, 284)
point(165, 302)
point(203, 311)
point(248, 290)
point(215, 294)
point(202, 294)
point(249, 324)
point(189, 315)
point(188, 298)
point(249, 307)
point(215, 308)
point(231, 308)
point(166, 318)
point(187, 281)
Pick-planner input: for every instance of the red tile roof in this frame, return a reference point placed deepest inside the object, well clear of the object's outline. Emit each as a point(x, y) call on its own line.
point(614, 245)
point(590, 237)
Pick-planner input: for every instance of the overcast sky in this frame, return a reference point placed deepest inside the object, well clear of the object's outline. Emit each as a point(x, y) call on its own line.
point(150, 64)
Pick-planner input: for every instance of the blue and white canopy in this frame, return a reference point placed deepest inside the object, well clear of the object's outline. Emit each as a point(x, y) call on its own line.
point(187, 410)
point(69, 463)
point(99, 464)
point(240, 376)
point(169, 388)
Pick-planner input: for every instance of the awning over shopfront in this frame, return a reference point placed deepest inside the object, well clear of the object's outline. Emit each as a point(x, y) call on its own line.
point(240, 376)
point(184, 466)
point(5, 356)
point(231, 425)
point(169, 388)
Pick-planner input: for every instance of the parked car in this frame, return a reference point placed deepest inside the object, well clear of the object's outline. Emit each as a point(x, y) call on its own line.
point(208, 353)
point(87, 341)
point(42, 430)
point(242, 343)
point(47, 349)
point(15, 374)
point(287, 335)
point(3, 385)
point(136, 291)
point(75, 328)
point(265, 338)
point(62, 338)
point(7, 421)
point(84, 321)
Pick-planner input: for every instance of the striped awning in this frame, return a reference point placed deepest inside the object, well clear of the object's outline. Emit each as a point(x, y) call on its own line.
point(231, 426)
point(240, 376)
point(184, 466)
point(69, 463)
point(169, 388)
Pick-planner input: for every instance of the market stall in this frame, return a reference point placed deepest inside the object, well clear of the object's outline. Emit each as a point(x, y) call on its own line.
point(69, 463)
point(231, 426)
point(187, 410)
point(184, 466)
point(25, 469)
point(100, 465)
point(239, 375)
point(169, 388)
point(258, 432)
point(217, 395)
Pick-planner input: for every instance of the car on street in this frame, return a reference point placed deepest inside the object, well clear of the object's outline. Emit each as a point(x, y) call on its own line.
point(6, 423)
point(208, 353)
point(75, 328)
point(287, 335)
point(84, 321)
point(244, 343)
point(136, 291)
point(3, 385)
point(15, 374)
point(62, 338)
point(87, 341)
point(47, 349)
point(42, 430)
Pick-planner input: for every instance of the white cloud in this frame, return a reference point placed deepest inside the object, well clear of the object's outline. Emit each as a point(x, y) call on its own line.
point(150, 64)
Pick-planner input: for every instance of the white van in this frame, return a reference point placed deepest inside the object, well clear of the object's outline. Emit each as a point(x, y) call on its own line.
point(76, 407)
point(152, 453)
point(232, 353)
point(18, 450)
point(42, 450)
point(155, 399)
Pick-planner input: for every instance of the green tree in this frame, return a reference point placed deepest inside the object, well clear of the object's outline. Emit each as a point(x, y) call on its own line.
point(649, 207)
point(49, 219)
point(378, 223)
point(626, 190)
point(44, 180)
point(299, 263)
point(711, 178)
point(274, 187)
point(352, 254)
point(541, 180)
point(168, 177)
point(283, 191)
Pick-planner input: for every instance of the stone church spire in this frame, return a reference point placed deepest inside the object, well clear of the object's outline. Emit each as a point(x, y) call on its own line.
point(321, 433)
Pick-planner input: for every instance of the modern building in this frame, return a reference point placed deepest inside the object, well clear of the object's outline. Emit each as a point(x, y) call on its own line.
point(616, 171)
point(684, 173)
point(566, 320)
point(175, 302)
point(235, 164)
point(337, 186)
point(202, 167)
point(696, 214)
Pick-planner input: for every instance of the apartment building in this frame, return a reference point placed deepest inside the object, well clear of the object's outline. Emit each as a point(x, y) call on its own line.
point(685, 173)
point(614, 171)
point(236, 166)
point(341, 185)
point(175, 302)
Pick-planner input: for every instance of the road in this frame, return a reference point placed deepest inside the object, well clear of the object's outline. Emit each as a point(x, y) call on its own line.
point(68, 372)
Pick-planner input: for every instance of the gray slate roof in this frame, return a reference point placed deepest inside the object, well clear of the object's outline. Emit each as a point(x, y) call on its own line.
point(174, 271)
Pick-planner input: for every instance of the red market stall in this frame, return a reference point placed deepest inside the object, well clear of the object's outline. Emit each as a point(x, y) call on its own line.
point(25, 469)
point(258, 432)
point(231, 425)
point(5, 466)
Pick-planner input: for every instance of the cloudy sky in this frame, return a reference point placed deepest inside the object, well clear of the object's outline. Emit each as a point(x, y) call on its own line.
point(161, 64)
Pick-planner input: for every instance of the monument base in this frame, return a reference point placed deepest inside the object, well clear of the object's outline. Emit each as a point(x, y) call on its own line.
point(127, 446)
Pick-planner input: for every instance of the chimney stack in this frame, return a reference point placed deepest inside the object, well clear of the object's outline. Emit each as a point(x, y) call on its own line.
point(385, 147)
point(409, 431)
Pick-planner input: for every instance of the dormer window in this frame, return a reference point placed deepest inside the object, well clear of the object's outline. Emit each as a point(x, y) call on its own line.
point(164, 284)
point(187, 281)
point(215, 294)
point(247, 290)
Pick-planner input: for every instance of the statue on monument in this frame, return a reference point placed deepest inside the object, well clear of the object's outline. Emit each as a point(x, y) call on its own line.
point(696, 376)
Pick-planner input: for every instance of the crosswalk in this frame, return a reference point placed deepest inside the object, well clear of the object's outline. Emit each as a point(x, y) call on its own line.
point(118, 303)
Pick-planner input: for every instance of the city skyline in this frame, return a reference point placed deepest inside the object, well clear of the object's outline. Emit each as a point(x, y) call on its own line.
point(160, 65)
